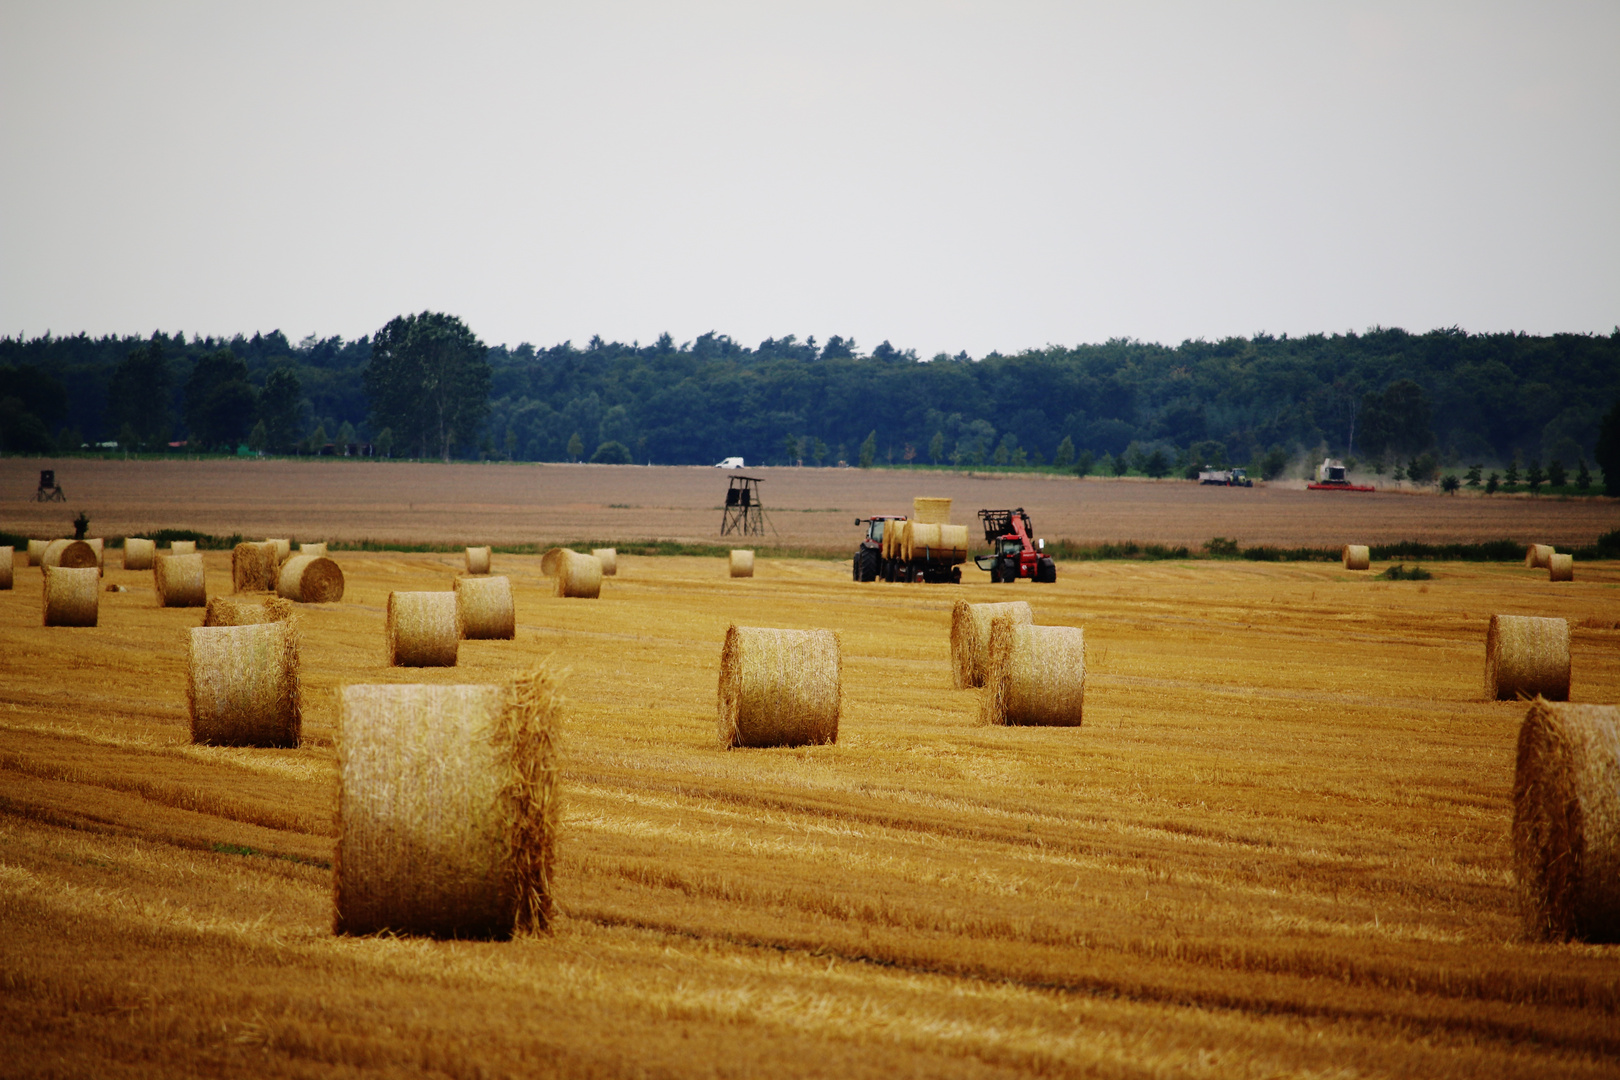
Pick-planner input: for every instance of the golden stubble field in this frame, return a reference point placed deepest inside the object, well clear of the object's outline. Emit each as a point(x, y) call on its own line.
point(1277, 846)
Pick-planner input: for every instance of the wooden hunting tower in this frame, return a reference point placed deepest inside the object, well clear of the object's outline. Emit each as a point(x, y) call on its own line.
point(743, 512)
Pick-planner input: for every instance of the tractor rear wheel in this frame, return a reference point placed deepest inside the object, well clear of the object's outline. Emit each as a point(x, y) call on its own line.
point(866, 565)
point(1046, 570)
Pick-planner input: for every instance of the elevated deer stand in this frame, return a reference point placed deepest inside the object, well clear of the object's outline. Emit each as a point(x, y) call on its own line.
point(744, 513)
point(49, 491)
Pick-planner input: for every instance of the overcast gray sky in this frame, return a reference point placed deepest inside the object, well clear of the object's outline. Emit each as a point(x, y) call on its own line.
point(946, 176)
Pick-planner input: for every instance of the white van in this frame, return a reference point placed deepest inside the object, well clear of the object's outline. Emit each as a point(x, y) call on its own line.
point(730, 463)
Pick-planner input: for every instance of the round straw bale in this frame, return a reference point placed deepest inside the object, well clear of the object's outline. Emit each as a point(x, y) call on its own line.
point(72, 595)
point(180, 581)
point(925, 541)
point(1356, 557)
point(609, 558)
point(242, 685)
point(423, 629)
point(318, 550)
point(931, 511)
point(779, 687)
point(138, 553)
point(888, 543)
point(742, 562)
point(99, 546)
point(1566, 822)
point(310, 579)
point(478, 560)
point(1561, 568)
point(1526, 656)
point(970, 636)
point(182, 547)
point(579, 576)
point(74, 554)
point(36, 551)
point(484, 606)
point(283, 549)
point(550, 561)
point(447, 808)
point(6, 557)
point(1537, 556)
point(1034, 675)
point(253, 567)
point(225, 611)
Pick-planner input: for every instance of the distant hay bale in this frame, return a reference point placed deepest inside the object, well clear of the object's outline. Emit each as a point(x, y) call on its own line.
point(72, 595)
point(924, 541)
point(182, 547)
point(423, 629)
point(6, 557)
point(1566, 822)
point(253, 567)
point(310, 579)
point(72, 554)
point(1526, 656)
point(180, 581)
point(225, 611)
point(36, 551)
point(550, 561)
point(283, 549)
point(1034, 675)
point(1356, 557)
point(930, 511)
point(138, 553)
point(242, 685)
point(1538, 556)
point(1561, 568)
point(478, 560)
point(741, 562)
point(484, 606)
point(447, 808)
point(579, 575)
point(779, 687)
point(317, 550)
point(970, 636)
point(609, 558)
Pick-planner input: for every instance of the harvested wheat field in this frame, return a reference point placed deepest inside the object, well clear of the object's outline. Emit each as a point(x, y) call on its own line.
point(1279, 844)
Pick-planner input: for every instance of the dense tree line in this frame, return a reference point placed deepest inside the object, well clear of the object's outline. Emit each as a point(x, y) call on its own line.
point(1457, 397)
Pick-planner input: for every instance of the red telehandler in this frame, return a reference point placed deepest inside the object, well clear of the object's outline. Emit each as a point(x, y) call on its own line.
point(1013, 553)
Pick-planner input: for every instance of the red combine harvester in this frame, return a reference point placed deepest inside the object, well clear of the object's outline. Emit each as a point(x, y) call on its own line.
point(1330, 476)
point(1013, 553)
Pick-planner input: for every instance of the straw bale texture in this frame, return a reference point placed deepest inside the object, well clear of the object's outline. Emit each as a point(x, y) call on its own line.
point(478, 560)
point(225, 611)
point(182, 547)
point(253, 567)
point(36, 551)
point(1561, 568)
point(6, 557)
point(970, 636)
point(1566, 822)
point(72, 595)
point(923, 541)
point(423, 629)
point(1356, 557)
point(1034, 675)
point(447, 808)
point(609, 558)
point(179, 580)
point(138, 553)
point(930, 511)
point(484, 606)
point(741, 562)
point(1537, 556)
point(99, 546)
point(780, 687)
point(888, 543)
point(69, 553)
point(242, 685)
point(579, 575)
point(550, 561)
point(318, 550)
point(283, 549)
point(1526, 656)
point(310, 579)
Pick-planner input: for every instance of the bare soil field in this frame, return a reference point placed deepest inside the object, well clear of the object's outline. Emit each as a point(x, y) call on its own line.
point(1277, 846)
point(815, 508)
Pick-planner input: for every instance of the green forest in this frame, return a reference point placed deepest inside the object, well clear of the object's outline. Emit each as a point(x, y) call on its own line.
point(1383, 397)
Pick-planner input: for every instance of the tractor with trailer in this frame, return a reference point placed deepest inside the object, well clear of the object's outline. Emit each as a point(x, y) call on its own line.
point(1226, 477)
point(1014, 552)
point(923, 547)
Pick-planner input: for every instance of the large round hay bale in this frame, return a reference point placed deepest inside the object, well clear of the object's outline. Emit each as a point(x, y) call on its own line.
point(73, 554)
point(180, 581)
point(423, 629)
point(253, 567)
point(551, 560)
point(889, 543)
point(478, 560)
point(317, 550)
point(138, 553)
point(225, 611)
point(99, 546)
point(182, 547)
point(579, 575)
point(484, 606)
point(1526, 656)
point(1566, 822)
point(72, 595)
point(609, 558)
point(447, 808)
point(970, 636)
point(741, 562)
point(1356, 557)
point(1561, 567)
point(1034, 675)
point(925, 541)
point(780, 687)
point(931, 511)
point(242, 685)
point(6, 557)
point(310, 579)
point(283, 549)
point(1537, 556)
point(36, 551)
